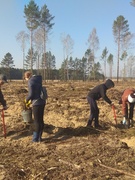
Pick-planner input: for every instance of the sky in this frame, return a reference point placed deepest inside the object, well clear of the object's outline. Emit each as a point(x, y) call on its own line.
point(74, 17)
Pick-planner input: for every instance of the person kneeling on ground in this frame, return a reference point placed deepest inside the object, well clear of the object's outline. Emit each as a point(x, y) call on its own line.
point(128, 102)
point(95, 94)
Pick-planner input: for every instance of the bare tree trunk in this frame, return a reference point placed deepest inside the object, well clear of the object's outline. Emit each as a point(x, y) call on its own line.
point(105, 68)
point(118, 60)
point(38, 64)
point(44, 57)
point(23, 63)
point(111, 71)
point(31, 55)
point(67, 69)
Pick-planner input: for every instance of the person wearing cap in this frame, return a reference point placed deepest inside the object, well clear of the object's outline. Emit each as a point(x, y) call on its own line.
point(95, 94)
point(3, 80)
point(128, 101)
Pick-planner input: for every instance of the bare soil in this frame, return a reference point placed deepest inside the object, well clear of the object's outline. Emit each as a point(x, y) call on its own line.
point(70, 150)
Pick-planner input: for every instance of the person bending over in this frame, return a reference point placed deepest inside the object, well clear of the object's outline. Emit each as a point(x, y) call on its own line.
point(95, 94)
point(128, 101)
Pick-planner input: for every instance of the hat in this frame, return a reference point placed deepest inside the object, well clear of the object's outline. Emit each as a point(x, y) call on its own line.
point(3, 78)
point(109, 83)
point(131, 97)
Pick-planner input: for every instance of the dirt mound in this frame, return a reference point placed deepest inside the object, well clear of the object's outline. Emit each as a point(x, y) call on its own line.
point(69, 149)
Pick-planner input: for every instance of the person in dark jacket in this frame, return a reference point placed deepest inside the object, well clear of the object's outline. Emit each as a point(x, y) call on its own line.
point(3, 79)
point(128, 102)
point(38, 104)
point(95, 94)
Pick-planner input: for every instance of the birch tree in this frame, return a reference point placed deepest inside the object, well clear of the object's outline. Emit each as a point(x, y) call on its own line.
point(38, 42)
point(110, 62)
point(68, 43)
point(90, 58)
point(93, 45)
point(104, 57)
point(22, 37)
point(130, 66)
point(123, 58)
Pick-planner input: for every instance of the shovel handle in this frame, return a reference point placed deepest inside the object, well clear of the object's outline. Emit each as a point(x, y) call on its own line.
point(113, 108)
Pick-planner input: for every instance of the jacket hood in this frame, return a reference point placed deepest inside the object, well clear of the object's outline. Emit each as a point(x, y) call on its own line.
point(36, 79)
point(109, 83)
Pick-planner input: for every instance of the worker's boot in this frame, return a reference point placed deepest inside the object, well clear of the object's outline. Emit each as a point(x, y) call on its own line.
point(40, 136)
point(128, 123)
point(96, 124)
point(131, 123)
point(35, 137)
point(89, 124)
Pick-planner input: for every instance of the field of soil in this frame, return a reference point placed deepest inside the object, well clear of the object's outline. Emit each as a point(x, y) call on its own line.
point(70, 150)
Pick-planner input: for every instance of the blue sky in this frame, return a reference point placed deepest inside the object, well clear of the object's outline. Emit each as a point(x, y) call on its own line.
point(74, 17)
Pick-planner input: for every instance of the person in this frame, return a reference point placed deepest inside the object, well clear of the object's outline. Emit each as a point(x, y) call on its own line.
point(3, 79)
point(95, 94)
point(128, 101)
point(38, 104)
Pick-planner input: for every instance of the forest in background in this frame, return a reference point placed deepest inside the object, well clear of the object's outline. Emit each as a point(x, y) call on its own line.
point(40, 22)
point(60, 74)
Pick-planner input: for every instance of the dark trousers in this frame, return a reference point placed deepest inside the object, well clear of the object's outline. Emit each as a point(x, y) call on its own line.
point(94, 112)
point(129, 112)
point(38, 113)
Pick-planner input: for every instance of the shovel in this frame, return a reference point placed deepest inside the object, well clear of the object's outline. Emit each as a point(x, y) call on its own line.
point(113, 108)
point(3, 121)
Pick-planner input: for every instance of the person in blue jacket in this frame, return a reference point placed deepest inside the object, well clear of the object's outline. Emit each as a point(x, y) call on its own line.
point(95, 94)
point(38, 104)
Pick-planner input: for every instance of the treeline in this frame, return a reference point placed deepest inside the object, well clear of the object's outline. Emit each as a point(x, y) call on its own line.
point(54, 74)
point(71, 69)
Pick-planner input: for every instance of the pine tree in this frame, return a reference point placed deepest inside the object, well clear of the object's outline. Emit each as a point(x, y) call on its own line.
point(45, 25)
point(7, 63)
point(28, 61)
point(32, 15)
point(120, 31)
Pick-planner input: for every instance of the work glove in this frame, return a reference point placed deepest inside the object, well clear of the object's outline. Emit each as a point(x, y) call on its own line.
point(124, 121)
point(27, 103)
point(112, 104)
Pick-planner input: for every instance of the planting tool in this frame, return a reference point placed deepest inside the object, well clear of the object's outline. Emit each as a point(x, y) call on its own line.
point(3, 122)
point(113, 108)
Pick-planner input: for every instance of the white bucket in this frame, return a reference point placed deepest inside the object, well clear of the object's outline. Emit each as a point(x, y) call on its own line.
point(27, 115)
